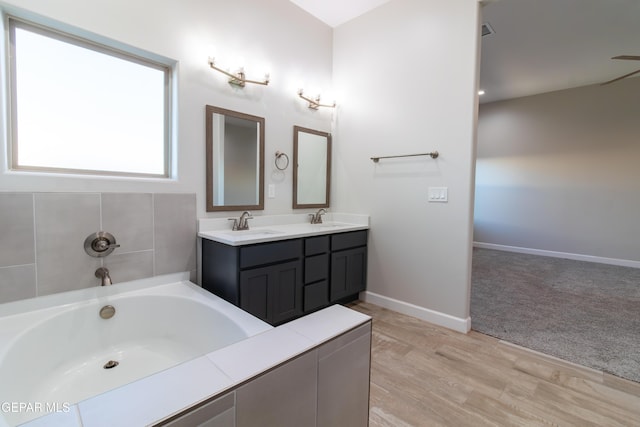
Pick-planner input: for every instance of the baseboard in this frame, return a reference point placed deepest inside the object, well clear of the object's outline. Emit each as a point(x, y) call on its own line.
point(566, 255)
point(441, 319)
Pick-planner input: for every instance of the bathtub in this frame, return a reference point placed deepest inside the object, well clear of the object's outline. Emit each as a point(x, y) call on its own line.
point(56, 351)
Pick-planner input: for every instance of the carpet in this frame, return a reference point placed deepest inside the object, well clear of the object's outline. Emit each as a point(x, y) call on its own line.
point(583, 312)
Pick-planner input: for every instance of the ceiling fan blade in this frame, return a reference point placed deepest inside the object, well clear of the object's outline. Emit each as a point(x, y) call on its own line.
point(629, 57)
point(620, 78)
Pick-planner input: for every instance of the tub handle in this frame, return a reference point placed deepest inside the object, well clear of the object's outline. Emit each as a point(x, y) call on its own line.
point(100, 244)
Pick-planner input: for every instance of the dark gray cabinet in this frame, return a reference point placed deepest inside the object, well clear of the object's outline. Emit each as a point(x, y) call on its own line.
point(348, 272)
point(348, 265)
point(316, 273)
point(279, 281)
point(272, 293)
point(264, 279)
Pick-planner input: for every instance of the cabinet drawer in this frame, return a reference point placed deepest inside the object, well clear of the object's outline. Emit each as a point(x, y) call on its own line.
point(316, 268)
point(348, 240)
point(316, 295)
point(316, 245)
point(268, 253)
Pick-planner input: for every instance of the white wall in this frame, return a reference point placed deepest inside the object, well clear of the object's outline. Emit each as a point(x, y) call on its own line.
point(405, 74)
point(274, 36)
point(559, 172)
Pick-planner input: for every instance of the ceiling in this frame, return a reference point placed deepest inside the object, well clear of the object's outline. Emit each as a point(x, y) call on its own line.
point(538, 45)
point(546, 45)
point(336, 12)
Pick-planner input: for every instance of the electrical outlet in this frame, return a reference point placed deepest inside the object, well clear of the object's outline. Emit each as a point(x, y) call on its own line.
point(438, 194)
point(272, 191)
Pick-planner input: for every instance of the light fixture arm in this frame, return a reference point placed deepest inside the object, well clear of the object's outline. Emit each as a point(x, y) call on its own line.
point(239, 78)
point(314, 104)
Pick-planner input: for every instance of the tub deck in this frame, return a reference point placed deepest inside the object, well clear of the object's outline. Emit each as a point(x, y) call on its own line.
point(162, 379)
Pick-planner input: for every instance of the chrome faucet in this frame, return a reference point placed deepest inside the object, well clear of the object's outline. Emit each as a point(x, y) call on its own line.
point(103, 274)
point(241, 223)
point(316, 218)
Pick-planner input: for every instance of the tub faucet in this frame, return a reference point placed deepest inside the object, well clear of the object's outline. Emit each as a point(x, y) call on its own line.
point(316, 218)
point(103, 274)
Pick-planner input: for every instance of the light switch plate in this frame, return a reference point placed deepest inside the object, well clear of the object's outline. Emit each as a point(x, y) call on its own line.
point(272, 191)
point(438, 194)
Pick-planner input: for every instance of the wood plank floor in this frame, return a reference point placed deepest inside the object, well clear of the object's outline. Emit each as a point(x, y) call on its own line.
point(425, 375)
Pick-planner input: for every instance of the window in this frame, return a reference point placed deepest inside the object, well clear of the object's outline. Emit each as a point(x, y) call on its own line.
point(82, 107)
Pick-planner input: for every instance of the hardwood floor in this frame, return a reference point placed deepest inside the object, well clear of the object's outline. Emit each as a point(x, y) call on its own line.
point(425, 375)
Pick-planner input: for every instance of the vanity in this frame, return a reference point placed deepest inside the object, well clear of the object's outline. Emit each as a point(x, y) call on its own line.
point(281, 267)
point(281, 271)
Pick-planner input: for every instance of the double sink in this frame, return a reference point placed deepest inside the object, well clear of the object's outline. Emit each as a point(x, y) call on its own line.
point(266, 232)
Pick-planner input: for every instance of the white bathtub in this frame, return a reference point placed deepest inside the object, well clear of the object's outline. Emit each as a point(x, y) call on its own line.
point(53, 349)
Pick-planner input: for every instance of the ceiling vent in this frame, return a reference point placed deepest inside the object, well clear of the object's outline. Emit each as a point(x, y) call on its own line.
point(487, 29)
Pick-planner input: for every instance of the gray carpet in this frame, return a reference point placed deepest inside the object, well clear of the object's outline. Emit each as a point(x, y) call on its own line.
point(583, 312)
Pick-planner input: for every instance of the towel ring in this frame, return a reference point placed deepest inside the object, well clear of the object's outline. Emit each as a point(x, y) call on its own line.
point(279, 155)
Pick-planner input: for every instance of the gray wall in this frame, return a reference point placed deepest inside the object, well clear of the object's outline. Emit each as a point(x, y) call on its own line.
point(42, 249)
point(560, 172)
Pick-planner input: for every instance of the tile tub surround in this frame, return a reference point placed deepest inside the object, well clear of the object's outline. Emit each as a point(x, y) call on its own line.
point(271, 228)
point(43, 235)
point(164, 394)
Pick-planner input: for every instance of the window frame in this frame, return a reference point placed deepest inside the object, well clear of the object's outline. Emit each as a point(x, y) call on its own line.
point(97, 44)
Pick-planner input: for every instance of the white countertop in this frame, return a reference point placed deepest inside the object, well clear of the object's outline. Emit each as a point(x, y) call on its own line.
point(271, 228)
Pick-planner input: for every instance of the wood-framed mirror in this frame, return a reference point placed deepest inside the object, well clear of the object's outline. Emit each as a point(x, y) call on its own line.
point(235, 160)
point(311, 168)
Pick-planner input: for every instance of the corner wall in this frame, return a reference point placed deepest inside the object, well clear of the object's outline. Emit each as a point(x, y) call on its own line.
point(558, 173)
point(405, 75)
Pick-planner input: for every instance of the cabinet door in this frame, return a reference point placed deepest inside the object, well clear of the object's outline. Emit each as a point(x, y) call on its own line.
point(348, 272)
point(273, 293)
point(254, 291)
point(285, 292)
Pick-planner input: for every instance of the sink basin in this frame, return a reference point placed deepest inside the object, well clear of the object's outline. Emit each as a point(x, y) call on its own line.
point(247, 233)
point(330, 225)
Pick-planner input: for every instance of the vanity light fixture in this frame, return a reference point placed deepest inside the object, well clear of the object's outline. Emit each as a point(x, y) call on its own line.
point(314, 104)
point(238, 79)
